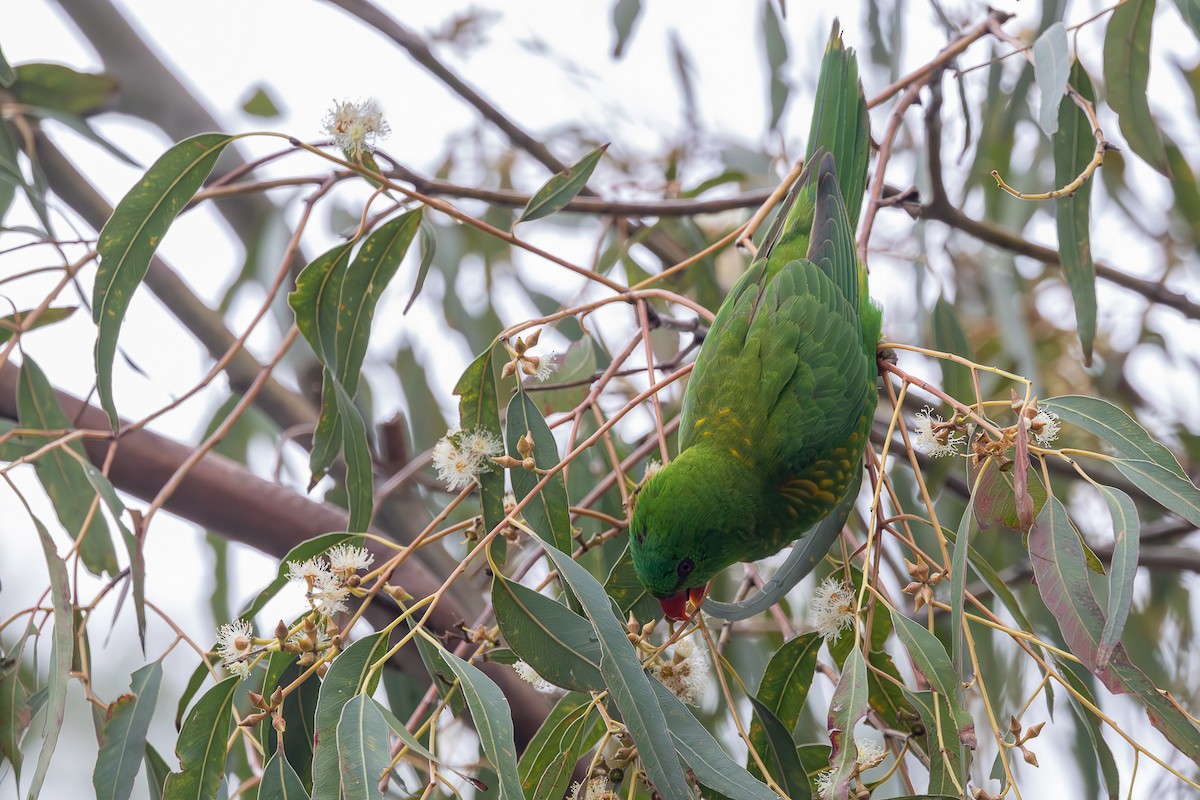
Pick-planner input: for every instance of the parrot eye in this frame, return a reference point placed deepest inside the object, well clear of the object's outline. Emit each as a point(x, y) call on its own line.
point(685, 568)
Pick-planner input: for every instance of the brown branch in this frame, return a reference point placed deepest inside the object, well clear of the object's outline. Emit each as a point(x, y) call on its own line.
point(224, 496)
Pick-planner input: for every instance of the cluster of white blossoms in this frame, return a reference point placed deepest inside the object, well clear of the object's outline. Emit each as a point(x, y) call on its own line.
point(595, 789)
point(327, 580)
point(934, 437)
point(356, 127)
point(832, 609)
point(686, 672)
point(870, 753)
point(460, 456)
point(1044, 427)
point(531, 676)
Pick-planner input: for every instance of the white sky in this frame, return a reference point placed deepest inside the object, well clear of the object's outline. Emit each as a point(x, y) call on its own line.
point(307, 54)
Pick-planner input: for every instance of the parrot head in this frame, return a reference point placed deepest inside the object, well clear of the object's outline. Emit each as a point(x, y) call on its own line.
point(685, 527)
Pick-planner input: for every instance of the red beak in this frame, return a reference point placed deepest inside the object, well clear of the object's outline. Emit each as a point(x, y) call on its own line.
point(675, 606)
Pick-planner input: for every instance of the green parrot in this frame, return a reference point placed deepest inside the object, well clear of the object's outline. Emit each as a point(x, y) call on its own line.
point(778, 408)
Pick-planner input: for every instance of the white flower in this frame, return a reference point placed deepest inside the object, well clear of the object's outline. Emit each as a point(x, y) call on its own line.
point(345, 559)
point(825, 783)
point(545, 369)
point(832, 609)
point(531, 676)
point(235, 639)
point(652, 466)
point(935, 443)
point(1045, 427)
point(307, 571)
point(460, 457)
point(332, 595)
point(686, 672)
point(355, 127)
point(596, 789)
point(241, 668)
point(480, 444)
point(870, 752)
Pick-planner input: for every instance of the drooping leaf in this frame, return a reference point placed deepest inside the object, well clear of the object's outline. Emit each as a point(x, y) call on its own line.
point(631, 689)
point(704, 755)
point(947, 335)
point(929, 655)
point(558, 643)
point(157, 772)
point(1126, 533)
point(780, 753)
point(124, 735)
point(62, 475)
point(785, 684)
point(133, 545)
point(562, 188)
point(13, 322)
point(848, 706)
point(625, 17)
point(1090, 725)
point(360, 486)
point(776, 51)
point(15, 714)
point(479, 410)
point(493, 722)
point(1127, 75)
point(133, 233)
point(362, 744)
point(61, 649)
point(548, 513)
point(1074, 146)
point(1175, 493)
point(349, 675)
point(280, 781)
point(198, 676)
point(428, 253)
point(1113, 426)
point(58, 87)
point(1051, 66)
point(573, 727)
point(202, 745)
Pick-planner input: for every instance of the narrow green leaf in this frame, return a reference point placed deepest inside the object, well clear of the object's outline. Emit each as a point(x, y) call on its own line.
point(848, 706)
point(785, 684)
point(958, 584)
point(631, 689)
point(133, 545)
point(360, 485)
point(7, 75)
point(280, 781)
point(157, 772)
point(124, 735)
point(776, 51)
point(572, 728)
point(947, 334)
point(405, 735)
point(1074, 146)
point(347, 677)
point(1056, 553)
point(365, 278)
point(307, 549)
point(201, 745)
point(61, 649)
point(62, 475)
point(362, 743)
point(929, 656)
point(558, 643)
point(315, 301)
point(493, 722)
point(11, 323)
point(14, 710)
point(1051, 66)
point(1176, 493)
point(1126, 533)
point(1110, 424)
point(479, 410)
point(1087, 722)
point(704, 755)
point(131, 236)
point(327, 438)
point(547, 514)
point(299, 714)
point(625, 17)
point(85, 129)
point(780, 754)
point(1127, 75)
point(428, 251)
point(61, 88)
point(562, 188)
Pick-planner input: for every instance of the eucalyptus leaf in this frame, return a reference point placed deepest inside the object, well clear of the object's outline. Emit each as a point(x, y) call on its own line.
point(562, 188)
